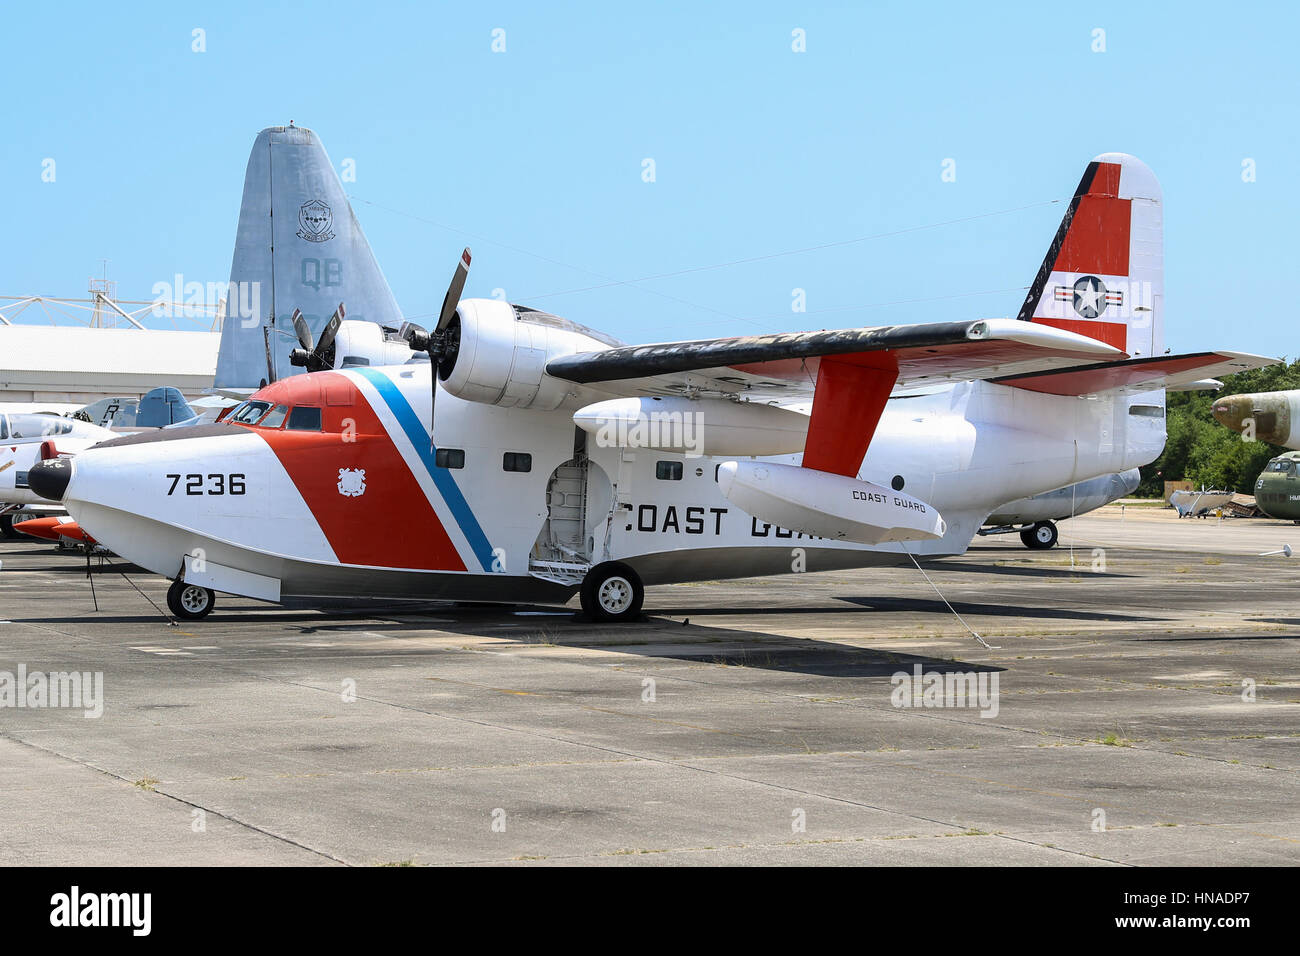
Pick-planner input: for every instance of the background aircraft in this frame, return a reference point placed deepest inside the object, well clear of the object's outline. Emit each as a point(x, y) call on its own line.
point(25, 440)
point(1270, 417)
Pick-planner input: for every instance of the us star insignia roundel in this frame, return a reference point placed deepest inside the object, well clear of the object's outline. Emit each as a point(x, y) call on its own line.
point(352, 482)
point(1089, 296)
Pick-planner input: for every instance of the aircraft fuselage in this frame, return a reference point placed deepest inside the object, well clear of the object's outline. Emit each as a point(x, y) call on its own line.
point(512, 504)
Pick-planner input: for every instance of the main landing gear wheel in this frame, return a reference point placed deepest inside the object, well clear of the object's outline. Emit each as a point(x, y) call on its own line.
point(612, 592)
point(1040, 537)
point(7, 527)
point(190, 602)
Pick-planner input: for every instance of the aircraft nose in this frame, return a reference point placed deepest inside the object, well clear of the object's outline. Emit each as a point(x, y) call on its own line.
point(49, 478)
point(1232, 411)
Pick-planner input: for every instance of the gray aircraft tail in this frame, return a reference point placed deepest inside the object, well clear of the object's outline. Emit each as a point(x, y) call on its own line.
point(163, 407)
point(299, 246)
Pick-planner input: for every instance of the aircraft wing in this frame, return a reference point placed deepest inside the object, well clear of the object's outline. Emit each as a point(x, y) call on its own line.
point(1138, 374)
point(786, 365)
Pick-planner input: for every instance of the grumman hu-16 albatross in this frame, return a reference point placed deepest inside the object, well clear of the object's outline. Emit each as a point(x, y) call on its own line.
point(690, 460)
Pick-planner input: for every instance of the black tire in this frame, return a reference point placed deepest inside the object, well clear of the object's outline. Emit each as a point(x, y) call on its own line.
point(1040, 537)
point(7, 527)
point(189, 602)
point(612, 592)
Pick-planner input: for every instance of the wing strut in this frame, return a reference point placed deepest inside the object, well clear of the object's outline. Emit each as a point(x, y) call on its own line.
point(850, 397)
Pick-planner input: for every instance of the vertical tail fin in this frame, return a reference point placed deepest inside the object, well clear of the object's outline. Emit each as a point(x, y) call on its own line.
point(163, 406)
point(1103, 275)
point(299, 246)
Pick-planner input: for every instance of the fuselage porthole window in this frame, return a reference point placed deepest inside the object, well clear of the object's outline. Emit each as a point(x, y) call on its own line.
point(449, 458)
point(517, 461)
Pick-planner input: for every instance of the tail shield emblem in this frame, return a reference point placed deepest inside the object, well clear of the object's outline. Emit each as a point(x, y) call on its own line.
point(317, 221)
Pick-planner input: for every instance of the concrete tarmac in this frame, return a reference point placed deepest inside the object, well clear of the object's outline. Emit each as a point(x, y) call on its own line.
point(1146, 710)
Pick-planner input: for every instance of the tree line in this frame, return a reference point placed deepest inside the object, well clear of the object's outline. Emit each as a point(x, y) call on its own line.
point(1200, 450)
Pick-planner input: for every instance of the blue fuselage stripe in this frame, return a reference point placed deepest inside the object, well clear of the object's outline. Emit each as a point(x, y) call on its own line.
point(442, 478)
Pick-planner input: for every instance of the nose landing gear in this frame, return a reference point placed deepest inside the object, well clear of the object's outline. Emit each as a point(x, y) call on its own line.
point(189, 602)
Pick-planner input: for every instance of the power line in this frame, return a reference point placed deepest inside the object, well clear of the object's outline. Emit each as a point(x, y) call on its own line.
point(751, 320)
point(795, 252)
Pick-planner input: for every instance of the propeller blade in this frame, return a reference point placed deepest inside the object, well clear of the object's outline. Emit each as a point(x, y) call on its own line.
point(303, 329)
point(453, 292)
point(322, 356)
point(331, 329)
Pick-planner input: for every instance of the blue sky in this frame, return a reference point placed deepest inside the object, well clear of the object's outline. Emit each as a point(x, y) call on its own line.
point(534, 156)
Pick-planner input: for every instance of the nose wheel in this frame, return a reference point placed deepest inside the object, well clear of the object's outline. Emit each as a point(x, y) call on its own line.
point(612, 592)
point(189, 602)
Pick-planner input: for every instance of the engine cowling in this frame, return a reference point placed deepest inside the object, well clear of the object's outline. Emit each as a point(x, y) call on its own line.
point(502, 355)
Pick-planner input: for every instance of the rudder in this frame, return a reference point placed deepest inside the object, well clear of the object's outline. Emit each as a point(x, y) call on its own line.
point(1103, 275)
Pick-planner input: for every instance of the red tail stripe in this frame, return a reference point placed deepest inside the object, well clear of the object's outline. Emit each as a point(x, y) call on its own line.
point(1112, 333)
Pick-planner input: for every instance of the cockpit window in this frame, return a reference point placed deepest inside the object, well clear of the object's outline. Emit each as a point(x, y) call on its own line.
point(249, 413)
point(304, 418)
point(276, 418)
point(1281, 465)
point(39, 426)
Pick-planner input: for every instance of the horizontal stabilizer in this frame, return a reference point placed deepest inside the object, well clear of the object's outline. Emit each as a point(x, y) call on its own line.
point(1136, 375)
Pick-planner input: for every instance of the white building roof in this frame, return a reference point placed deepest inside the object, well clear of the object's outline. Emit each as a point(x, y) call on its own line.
point(45, 360)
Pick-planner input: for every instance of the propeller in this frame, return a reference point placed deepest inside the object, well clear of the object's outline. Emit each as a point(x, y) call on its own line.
point(443, 342)
point(320, 356)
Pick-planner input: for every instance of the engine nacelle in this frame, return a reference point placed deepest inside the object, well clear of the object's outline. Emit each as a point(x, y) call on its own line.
point(364, 343)
point(709, 426)
point(503, 351)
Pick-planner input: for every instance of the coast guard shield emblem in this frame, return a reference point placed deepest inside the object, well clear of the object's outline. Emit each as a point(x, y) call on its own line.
point(317, 221)
point(352, 482)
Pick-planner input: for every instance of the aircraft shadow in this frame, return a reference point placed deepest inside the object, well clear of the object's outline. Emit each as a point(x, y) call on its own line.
point(910, 605)
point(663, 639)
point(77, 566)
point(652, 637)
point(1022, 570)
point(1217, 637)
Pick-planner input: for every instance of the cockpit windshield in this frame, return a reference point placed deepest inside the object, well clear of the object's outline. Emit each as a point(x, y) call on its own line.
point(249, 413)
point(31, 427)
